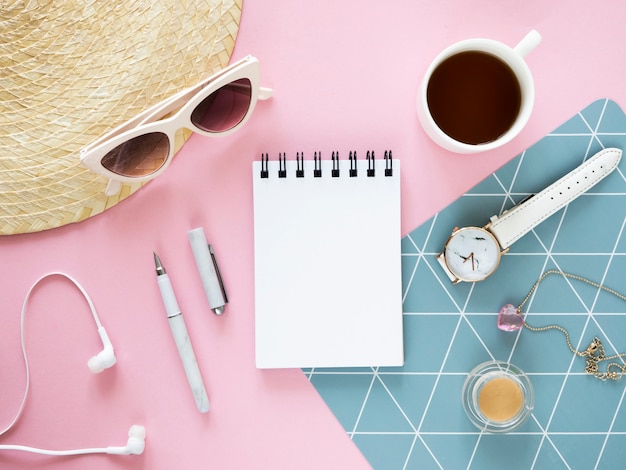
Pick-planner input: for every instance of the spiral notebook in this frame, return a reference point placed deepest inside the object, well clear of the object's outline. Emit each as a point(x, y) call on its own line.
point(328, 285)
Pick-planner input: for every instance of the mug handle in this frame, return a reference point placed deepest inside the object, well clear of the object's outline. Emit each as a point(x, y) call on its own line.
point(530, 41)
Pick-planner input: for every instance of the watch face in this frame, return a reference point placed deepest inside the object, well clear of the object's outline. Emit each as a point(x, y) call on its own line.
point(472, 254)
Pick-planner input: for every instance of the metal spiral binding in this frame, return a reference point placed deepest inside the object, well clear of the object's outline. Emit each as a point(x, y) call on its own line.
point(282, 165)
point(388, 164)
point(317, 171)
point(371, 165)
point(300, 165)
point(264, 164)
point(317, 162)
point(353, 166)
point(335, 171)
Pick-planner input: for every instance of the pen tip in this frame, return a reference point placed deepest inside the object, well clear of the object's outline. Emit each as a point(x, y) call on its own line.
point(159, 266)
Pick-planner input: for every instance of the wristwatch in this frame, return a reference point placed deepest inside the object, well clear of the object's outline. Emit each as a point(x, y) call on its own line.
point(473, 253)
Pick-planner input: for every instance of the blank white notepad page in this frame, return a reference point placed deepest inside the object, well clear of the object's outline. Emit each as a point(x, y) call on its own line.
point(328, 287)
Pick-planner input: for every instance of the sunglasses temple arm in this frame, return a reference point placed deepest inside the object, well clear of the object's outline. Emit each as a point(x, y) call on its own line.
point(265, 93)
point(113, 188)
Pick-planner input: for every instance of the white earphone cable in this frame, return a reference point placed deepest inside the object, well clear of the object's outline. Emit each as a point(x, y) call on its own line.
point(100, 450)
point(24, 355)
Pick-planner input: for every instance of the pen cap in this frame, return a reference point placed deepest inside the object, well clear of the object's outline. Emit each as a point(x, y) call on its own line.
point(208, 270)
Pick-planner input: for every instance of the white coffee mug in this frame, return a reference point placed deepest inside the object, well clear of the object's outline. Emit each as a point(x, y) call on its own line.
point(514, 58)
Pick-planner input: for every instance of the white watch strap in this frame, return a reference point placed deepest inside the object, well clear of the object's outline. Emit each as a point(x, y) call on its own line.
point(441, 259)
point(519, 220)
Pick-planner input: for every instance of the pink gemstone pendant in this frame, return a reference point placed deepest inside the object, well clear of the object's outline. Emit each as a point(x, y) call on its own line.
point(509, 319)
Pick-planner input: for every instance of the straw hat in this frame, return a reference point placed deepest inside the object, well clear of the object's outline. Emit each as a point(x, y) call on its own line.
point(70, 70)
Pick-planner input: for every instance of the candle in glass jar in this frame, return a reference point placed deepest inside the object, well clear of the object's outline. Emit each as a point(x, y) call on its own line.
point(497, 396)
point(500, 399)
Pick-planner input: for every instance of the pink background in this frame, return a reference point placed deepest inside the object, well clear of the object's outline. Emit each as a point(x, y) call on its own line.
point(345, 76)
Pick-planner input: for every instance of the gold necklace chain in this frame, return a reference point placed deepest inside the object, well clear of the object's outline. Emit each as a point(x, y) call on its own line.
point(595, 353)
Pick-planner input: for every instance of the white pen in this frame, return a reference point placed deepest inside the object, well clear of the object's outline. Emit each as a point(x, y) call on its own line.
point(181, 337)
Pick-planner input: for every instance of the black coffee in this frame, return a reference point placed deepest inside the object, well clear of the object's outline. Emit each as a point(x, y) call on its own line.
point(474, 97)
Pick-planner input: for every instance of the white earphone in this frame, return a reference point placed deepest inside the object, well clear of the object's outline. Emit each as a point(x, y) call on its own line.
point(135, 446)
point(103, 360)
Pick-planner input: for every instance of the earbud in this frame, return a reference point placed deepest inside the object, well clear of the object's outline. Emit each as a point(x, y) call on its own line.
point(135, 445)
point(105, 358)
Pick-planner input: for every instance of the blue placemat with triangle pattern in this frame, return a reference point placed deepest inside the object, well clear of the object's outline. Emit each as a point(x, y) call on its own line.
point(412, 417)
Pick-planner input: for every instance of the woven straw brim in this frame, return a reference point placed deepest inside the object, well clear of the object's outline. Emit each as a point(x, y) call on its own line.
point(71, 71)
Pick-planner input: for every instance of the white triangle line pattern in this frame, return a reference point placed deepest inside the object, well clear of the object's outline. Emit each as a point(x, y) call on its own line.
point(606, 438)
point(425, 259)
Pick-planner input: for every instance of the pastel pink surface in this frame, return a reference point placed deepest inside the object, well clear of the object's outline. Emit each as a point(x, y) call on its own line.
point(345, 76)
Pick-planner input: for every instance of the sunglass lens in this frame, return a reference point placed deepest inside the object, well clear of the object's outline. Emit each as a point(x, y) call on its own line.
point(225, 108)
point(139, 156)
